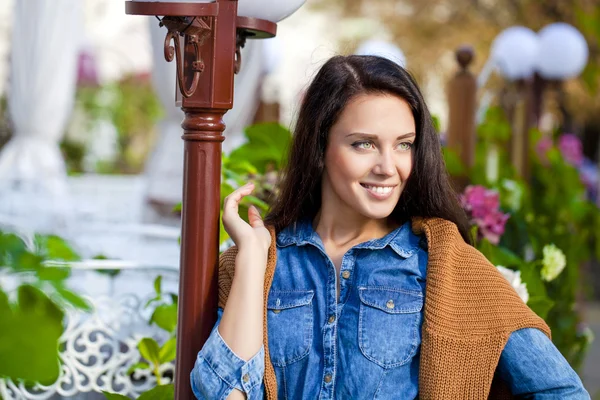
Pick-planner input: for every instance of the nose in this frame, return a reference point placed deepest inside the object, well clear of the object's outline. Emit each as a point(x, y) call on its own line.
point(385, 165)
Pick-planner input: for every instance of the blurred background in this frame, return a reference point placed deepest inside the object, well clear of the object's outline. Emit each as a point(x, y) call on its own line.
point(91, 164)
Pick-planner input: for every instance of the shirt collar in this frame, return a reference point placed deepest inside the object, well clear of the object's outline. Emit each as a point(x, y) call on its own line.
point(402, 240)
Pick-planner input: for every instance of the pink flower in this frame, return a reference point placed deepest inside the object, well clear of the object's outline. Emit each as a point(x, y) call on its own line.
point(571, 149)
point(492, 226)
point(483, 207)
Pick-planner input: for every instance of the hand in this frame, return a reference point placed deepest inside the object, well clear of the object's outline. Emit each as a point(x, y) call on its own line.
point(244, 235)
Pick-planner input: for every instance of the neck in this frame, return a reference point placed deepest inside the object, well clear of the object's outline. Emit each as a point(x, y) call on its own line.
point(342, 230)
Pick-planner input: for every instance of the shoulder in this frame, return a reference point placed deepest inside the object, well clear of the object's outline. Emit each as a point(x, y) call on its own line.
point(465, 291)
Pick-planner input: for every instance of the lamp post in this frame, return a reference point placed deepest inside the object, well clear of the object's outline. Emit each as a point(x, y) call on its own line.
point(514, 53)
point(531, 61)
point(204, 38)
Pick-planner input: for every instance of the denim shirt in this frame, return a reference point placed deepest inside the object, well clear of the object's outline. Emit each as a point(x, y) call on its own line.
point(365, 346)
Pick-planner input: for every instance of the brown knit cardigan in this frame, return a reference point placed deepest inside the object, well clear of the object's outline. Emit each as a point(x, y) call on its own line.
point(470, 311)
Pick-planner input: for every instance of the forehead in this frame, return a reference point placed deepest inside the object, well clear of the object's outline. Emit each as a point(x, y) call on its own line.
point(383, 115)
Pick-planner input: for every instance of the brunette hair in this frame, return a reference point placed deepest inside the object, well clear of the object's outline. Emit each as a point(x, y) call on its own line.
point(427, 193)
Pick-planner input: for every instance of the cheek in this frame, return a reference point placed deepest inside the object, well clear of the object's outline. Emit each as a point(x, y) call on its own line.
point(406, 167)
point(341, 164)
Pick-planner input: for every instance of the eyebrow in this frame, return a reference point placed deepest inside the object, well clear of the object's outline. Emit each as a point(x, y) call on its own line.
point(375, 137)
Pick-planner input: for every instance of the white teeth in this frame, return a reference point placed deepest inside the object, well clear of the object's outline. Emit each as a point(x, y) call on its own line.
point(380, 189)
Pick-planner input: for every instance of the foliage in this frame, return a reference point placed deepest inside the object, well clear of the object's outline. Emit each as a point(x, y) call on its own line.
point(165, 317)
point(132, 107)
point(548, 214)
point(32, 322)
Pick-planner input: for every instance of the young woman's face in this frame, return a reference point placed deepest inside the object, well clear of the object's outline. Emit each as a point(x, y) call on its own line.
point(369, 156)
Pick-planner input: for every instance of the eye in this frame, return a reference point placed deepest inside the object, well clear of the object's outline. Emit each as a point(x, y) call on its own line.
point(364, 145)
point(405, 146)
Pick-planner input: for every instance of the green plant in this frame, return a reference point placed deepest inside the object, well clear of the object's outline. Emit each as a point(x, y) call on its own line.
point(132, 107)
point(31, 322)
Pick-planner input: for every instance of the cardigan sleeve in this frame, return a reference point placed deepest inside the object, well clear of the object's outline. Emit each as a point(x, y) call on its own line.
point(533, 368)
point(218, 370)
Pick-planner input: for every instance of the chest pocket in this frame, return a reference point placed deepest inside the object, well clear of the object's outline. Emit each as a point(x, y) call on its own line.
point(290, 325)
point(389, 324)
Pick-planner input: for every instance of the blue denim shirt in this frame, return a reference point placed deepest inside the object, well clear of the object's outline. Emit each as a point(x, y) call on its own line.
point(366, 345)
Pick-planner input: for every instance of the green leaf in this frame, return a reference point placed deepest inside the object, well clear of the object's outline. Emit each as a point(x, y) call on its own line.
point(4, 303)
point(256, 201)
point(157, 285)
point(29, 338)
point(114, 396)
point(162, 392)
point(54, 274)
point(174, 298)
point(454, 164)
point(177, 207)
point(540, 305)
point(27, 261)
point(165, 316)
point(75, 299)
point(149, 350)
point(267, 144)
point(55, 248)
point(168, 351)
point(140, 365)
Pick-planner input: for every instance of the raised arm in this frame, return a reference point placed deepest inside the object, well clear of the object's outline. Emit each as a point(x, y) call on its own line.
point(232, 359)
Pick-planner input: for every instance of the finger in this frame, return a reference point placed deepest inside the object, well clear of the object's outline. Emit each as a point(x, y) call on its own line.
point(237, 195)
point(231, 202)
point(254, 217)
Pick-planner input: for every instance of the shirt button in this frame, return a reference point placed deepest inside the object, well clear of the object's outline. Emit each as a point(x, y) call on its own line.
point(327, 378)
point(331, 319)
point(346, 274)
point(390, 304)
point(246, 377)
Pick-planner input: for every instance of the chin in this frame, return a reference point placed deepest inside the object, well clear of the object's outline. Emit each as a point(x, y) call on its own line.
point(379, 212)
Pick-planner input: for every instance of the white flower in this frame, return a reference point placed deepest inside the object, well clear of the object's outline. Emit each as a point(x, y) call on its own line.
point(514, 278)
point(554, 262)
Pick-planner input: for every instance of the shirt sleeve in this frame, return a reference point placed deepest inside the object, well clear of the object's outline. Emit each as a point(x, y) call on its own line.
point(218, 370)
point(533, 368)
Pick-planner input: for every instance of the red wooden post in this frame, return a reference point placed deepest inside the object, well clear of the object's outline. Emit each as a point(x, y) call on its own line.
point(207, 57)
point(462, 90)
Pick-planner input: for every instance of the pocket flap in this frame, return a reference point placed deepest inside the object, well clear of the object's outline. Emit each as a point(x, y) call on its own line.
point(393, 301)
point(282, 299)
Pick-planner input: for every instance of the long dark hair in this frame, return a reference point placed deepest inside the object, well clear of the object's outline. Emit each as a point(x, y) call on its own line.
point(428, 192)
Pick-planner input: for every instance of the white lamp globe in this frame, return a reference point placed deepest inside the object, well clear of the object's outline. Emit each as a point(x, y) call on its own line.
point(271, 10)
point(563, 52)
point(381, 48)
point(514, 52)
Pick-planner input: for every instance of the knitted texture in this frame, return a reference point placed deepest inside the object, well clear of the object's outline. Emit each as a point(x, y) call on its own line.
point(470, 312)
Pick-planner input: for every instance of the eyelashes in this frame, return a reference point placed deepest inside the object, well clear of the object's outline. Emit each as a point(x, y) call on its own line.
point(368, 145)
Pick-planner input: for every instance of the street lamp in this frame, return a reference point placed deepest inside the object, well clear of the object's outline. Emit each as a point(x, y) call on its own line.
point(557, 52)
point(205, 40)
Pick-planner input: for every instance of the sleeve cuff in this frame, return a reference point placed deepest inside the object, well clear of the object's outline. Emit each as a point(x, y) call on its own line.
point(243, 375)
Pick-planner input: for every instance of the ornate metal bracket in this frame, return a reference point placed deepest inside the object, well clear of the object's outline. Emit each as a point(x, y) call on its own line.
point(197, 29)
point(240, 42)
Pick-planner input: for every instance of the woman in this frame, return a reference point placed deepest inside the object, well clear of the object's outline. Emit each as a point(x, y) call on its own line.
point(361, 282)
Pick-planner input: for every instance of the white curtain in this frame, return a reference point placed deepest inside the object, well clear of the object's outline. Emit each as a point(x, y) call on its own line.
point(45, 44)
point(164, 169)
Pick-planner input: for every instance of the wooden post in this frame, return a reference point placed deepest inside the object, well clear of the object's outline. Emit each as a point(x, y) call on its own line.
point(205, 40)
point(462, 91)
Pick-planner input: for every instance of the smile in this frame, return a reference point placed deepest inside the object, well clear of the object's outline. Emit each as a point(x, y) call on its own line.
point(380, 192)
